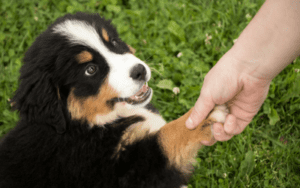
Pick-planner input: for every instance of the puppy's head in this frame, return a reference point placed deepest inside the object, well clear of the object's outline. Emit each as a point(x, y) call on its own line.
point(79, 65)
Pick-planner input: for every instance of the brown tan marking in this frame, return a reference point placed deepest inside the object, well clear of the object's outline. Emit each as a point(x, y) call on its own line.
point(138, 131)
point(105, 35)
point(130, 136)
point(132, 50)
point(181, 144)
point(84, 57)
point(88, 108)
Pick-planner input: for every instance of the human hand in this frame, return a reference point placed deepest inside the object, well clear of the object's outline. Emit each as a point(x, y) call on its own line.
point(229, 81)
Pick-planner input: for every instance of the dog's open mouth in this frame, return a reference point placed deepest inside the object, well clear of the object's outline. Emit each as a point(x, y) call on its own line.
point(141, 96)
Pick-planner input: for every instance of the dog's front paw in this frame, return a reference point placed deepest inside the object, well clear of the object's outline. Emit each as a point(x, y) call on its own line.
point(218, 114)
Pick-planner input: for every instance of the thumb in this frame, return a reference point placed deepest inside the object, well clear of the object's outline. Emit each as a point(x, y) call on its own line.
point(201, 109)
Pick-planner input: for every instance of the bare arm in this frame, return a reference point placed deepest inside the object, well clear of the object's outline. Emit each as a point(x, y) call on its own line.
point(271, 40)
point(267, 45)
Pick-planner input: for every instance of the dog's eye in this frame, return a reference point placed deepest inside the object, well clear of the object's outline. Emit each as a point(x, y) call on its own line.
point(114, 42)
point(91, 70)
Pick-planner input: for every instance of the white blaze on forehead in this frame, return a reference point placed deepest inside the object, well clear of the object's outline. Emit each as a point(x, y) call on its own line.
point(82, 33)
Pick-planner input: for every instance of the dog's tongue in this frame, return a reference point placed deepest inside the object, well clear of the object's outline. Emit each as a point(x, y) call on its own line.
point(141, 92)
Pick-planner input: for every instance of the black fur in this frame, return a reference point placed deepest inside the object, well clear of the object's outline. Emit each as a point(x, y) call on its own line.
point(48, 149)
point(36, 156)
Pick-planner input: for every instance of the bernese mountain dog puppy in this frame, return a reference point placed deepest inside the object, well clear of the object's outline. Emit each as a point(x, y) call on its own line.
point(86, 120)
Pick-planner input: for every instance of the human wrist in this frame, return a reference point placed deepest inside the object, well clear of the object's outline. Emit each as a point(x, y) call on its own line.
point(264, 62)
point(271, 40)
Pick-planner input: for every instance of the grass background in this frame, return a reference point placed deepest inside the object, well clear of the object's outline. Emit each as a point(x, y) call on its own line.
point(180, 40)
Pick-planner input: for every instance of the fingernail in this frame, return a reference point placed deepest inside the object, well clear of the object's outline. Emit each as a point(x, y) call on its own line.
point(190, 123)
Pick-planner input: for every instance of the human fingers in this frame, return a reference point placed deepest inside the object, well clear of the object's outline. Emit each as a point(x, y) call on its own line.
point(230, 125)
point(201, 109)
point(219, 132)
point(224, 132)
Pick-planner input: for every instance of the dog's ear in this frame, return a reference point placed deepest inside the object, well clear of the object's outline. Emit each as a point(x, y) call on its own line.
point(38, 100)
point(132, 50)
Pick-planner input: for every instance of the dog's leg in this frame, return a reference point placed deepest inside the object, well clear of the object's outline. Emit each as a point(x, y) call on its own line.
point(181, 144)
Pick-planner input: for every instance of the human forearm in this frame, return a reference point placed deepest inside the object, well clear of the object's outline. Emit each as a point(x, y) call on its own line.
point(241, 78)
point(271, 40)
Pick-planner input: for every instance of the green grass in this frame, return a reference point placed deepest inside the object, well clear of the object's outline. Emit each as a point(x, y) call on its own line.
point(266, 154)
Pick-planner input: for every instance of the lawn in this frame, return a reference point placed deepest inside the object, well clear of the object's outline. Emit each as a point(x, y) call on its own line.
point(180, 40)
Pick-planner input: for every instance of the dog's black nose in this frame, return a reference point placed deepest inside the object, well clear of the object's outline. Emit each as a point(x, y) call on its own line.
point(138, 72)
